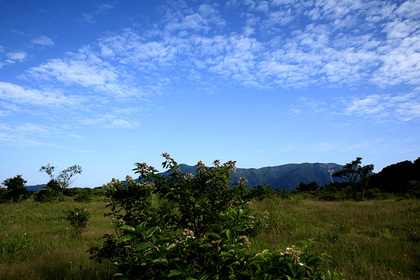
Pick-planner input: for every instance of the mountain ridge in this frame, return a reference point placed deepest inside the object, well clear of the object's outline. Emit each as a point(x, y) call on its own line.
point(282, 177)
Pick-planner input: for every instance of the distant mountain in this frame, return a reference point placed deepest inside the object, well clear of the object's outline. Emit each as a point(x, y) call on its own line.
point(34, 188)
point(284, 177)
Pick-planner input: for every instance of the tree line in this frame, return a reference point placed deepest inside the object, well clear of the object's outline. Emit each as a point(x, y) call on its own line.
point(58, 185)
point(402, 178)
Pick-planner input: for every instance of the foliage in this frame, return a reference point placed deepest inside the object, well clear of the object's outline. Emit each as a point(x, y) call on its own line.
point(413, 189)
point(15, 189)
point(48, 193)
point(4, 195)
point(78, 218)
point(397, 178)
point(182, 226)
point(82, 195)
point(356, 186)
point(313, 186)
point(63, 179)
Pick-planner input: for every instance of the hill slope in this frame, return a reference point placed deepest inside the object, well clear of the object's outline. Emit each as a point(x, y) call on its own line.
point(284, 177)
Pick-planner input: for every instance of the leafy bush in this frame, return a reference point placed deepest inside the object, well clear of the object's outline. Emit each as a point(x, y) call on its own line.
point(16, 190)
point(181, 226)
point(78, 218)
point(82, 196)
point(4, 195)
point(413, 189)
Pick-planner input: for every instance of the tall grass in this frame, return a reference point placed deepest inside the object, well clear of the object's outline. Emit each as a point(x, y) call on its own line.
point(37, 243)
point(368, 240)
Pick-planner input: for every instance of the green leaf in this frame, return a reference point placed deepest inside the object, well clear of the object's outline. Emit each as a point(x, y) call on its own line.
point(230, 234)
point(125, 238)
point(150, 231)
point(174, 272)
point(141, 227)
point(143, 245)
point(160, 261)
point(170, 246)
point(240, 213)
point(127, 228)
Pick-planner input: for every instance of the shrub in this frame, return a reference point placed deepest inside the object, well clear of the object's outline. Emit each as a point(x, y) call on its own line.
point(44, 195)
point(4, 195)
point(82, 196)
point(78, 218)
point(185, 226)
point(413, 189)
point(16, 190)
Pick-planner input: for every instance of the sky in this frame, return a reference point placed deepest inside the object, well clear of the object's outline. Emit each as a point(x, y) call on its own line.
point(106, 84)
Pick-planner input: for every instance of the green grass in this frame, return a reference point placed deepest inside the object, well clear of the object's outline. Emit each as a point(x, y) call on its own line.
point(368, 240)
point(36, 242)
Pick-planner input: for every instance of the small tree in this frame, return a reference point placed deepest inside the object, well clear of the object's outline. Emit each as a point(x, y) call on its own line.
point(49, 192)
point(63, 180)
point(357, 177)
point(16, 188)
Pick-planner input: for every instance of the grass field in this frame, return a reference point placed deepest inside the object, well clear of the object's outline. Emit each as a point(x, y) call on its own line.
point(368, 240)
point(377, 239)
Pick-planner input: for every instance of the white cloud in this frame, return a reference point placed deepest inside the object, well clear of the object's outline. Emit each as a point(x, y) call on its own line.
point(315, 54)
point(262, 6)
point(409, 9)
point(18, 56)
point(326, 43)
point(89, 18)
point(402, 107)
point(17, 94)
point(129, 48)
point(101, 9)
point(211, 15)
point(87, 69)
point(110, 121)
point(75, 136)
point(21, 134)
point(43, 41)
point(399, 29)
point(104, 8)
point(83, 68)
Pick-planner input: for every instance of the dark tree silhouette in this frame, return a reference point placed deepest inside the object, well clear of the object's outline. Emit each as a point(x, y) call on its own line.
point(16, 188)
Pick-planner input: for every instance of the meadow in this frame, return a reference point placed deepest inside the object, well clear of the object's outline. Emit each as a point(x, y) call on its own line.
point(376, 239)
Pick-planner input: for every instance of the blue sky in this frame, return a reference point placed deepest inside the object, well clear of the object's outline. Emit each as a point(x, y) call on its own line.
point(107, 84)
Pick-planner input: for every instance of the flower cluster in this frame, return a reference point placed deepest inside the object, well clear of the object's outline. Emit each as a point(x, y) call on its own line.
point(166, 155)
point(230, 164)
point(293, 254)
point(144, 169)
point(242, 181)
point(246, 241)
point(215, 242)
point(188, 233)
point(200, 164)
